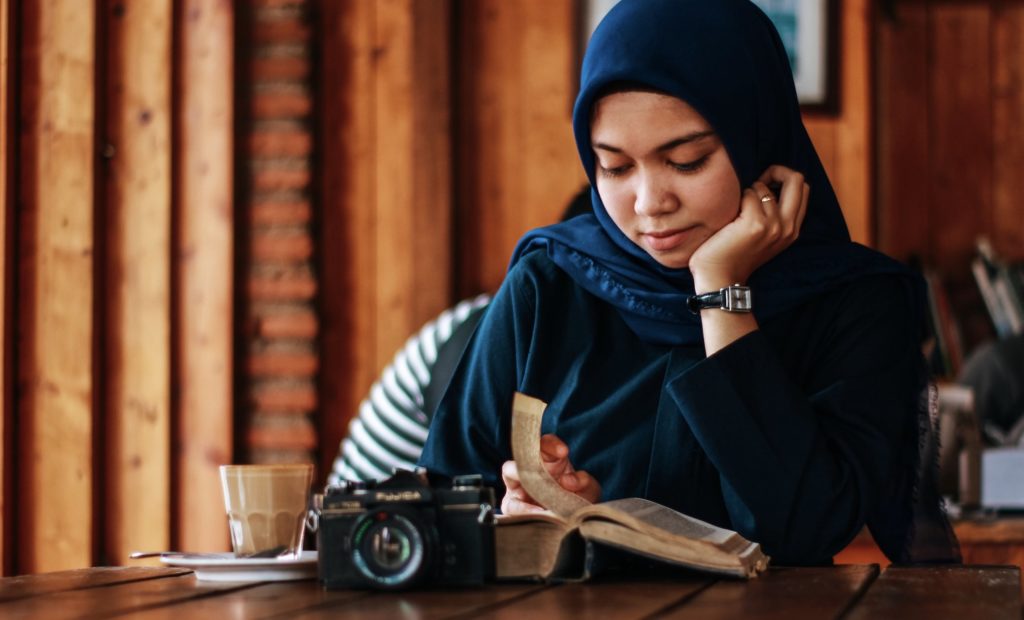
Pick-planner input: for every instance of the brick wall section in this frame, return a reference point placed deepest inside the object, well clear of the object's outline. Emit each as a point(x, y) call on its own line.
point(278, 389)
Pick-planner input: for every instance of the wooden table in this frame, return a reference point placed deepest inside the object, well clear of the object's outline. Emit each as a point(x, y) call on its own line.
point(982, 541)
point(853, 591)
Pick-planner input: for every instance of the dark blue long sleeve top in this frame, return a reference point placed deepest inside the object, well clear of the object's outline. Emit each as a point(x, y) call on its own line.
point(787, 435)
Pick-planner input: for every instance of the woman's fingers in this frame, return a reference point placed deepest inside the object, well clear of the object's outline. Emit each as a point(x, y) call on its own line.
point(582, 484)
point(554, 454)
point(790, 203)
point(516, 499)
point(780, 175)
point(552, 448)
point(510, 475)
point(515, 506)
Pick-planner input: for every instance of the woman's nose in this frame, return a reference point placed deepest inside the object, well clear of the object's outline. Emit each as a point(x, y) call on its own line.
point(654, 197)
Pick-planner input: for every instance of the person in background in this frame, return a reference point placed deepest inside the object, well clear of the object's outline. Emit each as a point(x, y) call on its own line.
point(710, 338)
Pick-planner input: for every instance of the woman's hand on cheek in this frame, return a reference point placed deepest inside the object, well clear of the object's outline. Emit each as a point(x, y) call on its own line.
point(555, 457)
point(763, 229)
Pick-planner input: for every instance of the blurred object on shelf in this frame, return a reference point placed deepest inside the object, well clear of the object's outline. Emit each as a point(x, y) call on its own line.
point(960, 445)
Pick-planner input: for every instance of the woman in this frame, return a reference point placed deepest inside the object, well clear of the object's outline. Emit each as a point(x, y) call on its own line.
point(793, 424)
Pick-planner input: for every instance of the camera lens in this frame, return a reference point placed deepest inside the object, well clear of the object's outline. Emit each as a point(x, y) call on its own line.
point(389, 549)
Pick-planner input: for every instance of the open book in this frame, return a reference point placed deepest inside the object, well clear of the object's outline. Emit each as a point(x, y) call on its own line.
point(559, 543)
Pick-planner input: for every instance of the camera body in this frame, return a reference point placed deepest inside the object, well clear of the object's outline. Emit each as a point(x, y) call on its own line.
point(404, 531)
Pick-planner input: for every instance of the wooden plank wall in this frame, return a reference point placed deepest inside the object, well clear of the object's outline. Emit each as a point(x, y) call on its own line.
point(6, 162)
point(55, 329)
point(117, 228)
point(135, 246)
point(204, 265)
point(384, 190)
point(517, 166)
point(950, 110)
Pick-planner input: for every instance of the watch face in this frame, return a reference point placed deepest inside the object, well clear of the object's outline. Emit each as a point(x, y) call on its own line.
point(737, 299)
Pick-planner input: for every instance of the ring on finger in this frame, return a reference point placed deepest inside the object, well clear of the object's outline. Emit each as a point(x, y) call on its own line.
point(766, 198)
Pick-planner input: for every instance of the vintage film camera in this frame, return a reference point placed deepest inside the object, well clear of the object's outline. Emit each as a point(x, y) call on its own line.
point(405, 531)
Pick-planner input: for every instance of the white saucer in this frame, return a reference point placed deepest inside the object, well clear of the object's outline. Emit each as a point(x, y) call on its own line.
point(226, 567)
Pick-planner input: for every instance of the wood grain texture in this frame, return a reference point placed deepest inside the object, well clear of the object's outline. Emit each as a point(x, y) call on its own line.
point(782, 593)
point(450, 603)
point(137, 299)
point(6, 161)
point(516, 161)
point(961, 144)
point(904, 217)
point(413, 186)
point(120, 598)
point(284, 599)
point(385, 130)
point(346, 190)
point(944, 592)
point(1000, 531)
point(1008, 129)
point(612, 600)
point(27, 586)
point(55, 370)
point(850, 591)
point(203, 267)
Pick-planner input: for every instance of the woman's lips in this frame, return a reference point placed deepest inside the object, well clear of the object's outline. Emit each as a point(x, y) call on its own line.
point(665, 240)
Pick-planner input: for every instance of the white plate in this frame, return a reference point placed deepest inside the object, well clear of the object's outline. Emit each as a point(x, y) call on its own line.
point(226, 567)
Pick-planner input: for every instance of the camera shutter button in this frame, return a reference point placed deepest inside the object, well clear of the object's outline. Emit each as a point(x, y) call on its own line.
point(467, 481)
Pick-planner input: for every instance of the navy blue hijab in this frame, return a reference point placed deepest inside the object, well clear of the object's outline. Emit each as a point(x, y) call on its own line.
point(726, 60)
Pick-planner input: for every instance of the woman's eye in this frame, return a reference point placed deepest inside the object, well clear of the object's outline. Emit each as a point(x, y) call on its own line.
point(615, 171)
point(691, 166)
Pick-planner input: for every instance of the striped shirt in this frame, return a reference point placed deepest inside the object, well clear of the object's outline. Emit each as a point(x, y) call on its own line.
point(391, 426)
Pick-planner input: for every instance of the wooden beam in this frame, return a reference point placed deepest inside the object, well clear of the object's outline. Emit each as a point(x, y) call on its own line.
point(386, 191)
point(137, 175)
point(1008, 129)
point(960, 98)
point(903, 203)
point(347, 203)
point(6, 555)
point(516, 160)
point(203, 268)
point(55, 340)
point(413, 169)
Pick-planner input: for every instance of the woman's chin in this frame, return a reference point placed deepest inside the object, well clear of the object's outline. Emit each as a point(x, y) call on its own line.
point(672, 260)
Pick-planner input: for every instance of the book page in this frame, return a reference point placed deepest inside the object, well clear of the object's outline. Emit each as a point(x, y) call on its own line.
point(745, 562)
point(527, 413)
point(529, 517)
point(643, 514)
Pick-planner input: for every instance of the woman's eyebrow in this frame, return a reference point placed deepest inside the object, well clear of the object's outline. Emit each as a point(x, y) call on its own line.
point(671, 144)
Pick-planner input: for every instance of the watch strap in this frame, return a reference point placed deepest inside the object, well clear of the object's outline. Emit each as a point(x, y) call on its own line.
point(735, 298)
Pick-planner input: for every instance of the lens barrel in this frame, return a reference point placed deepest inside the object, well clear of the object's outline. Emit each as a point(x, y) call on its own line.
point(390, 549)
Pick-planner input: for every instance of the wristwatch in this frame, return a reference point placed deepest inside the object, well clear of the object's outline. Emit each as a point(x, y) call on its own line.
point(735, 298)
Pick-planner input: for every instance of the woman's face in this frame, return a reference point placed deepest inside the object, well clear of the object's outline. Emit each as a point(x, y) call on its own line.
point(662, 173)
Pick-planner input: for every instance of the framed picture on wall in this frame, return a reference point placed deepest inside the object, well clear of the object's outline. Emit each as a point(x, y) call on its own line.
point(809, 30)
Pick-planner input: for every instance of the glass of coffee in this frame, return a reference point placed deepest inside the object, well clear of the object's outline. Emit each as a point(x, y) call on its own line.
point(266, 506)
